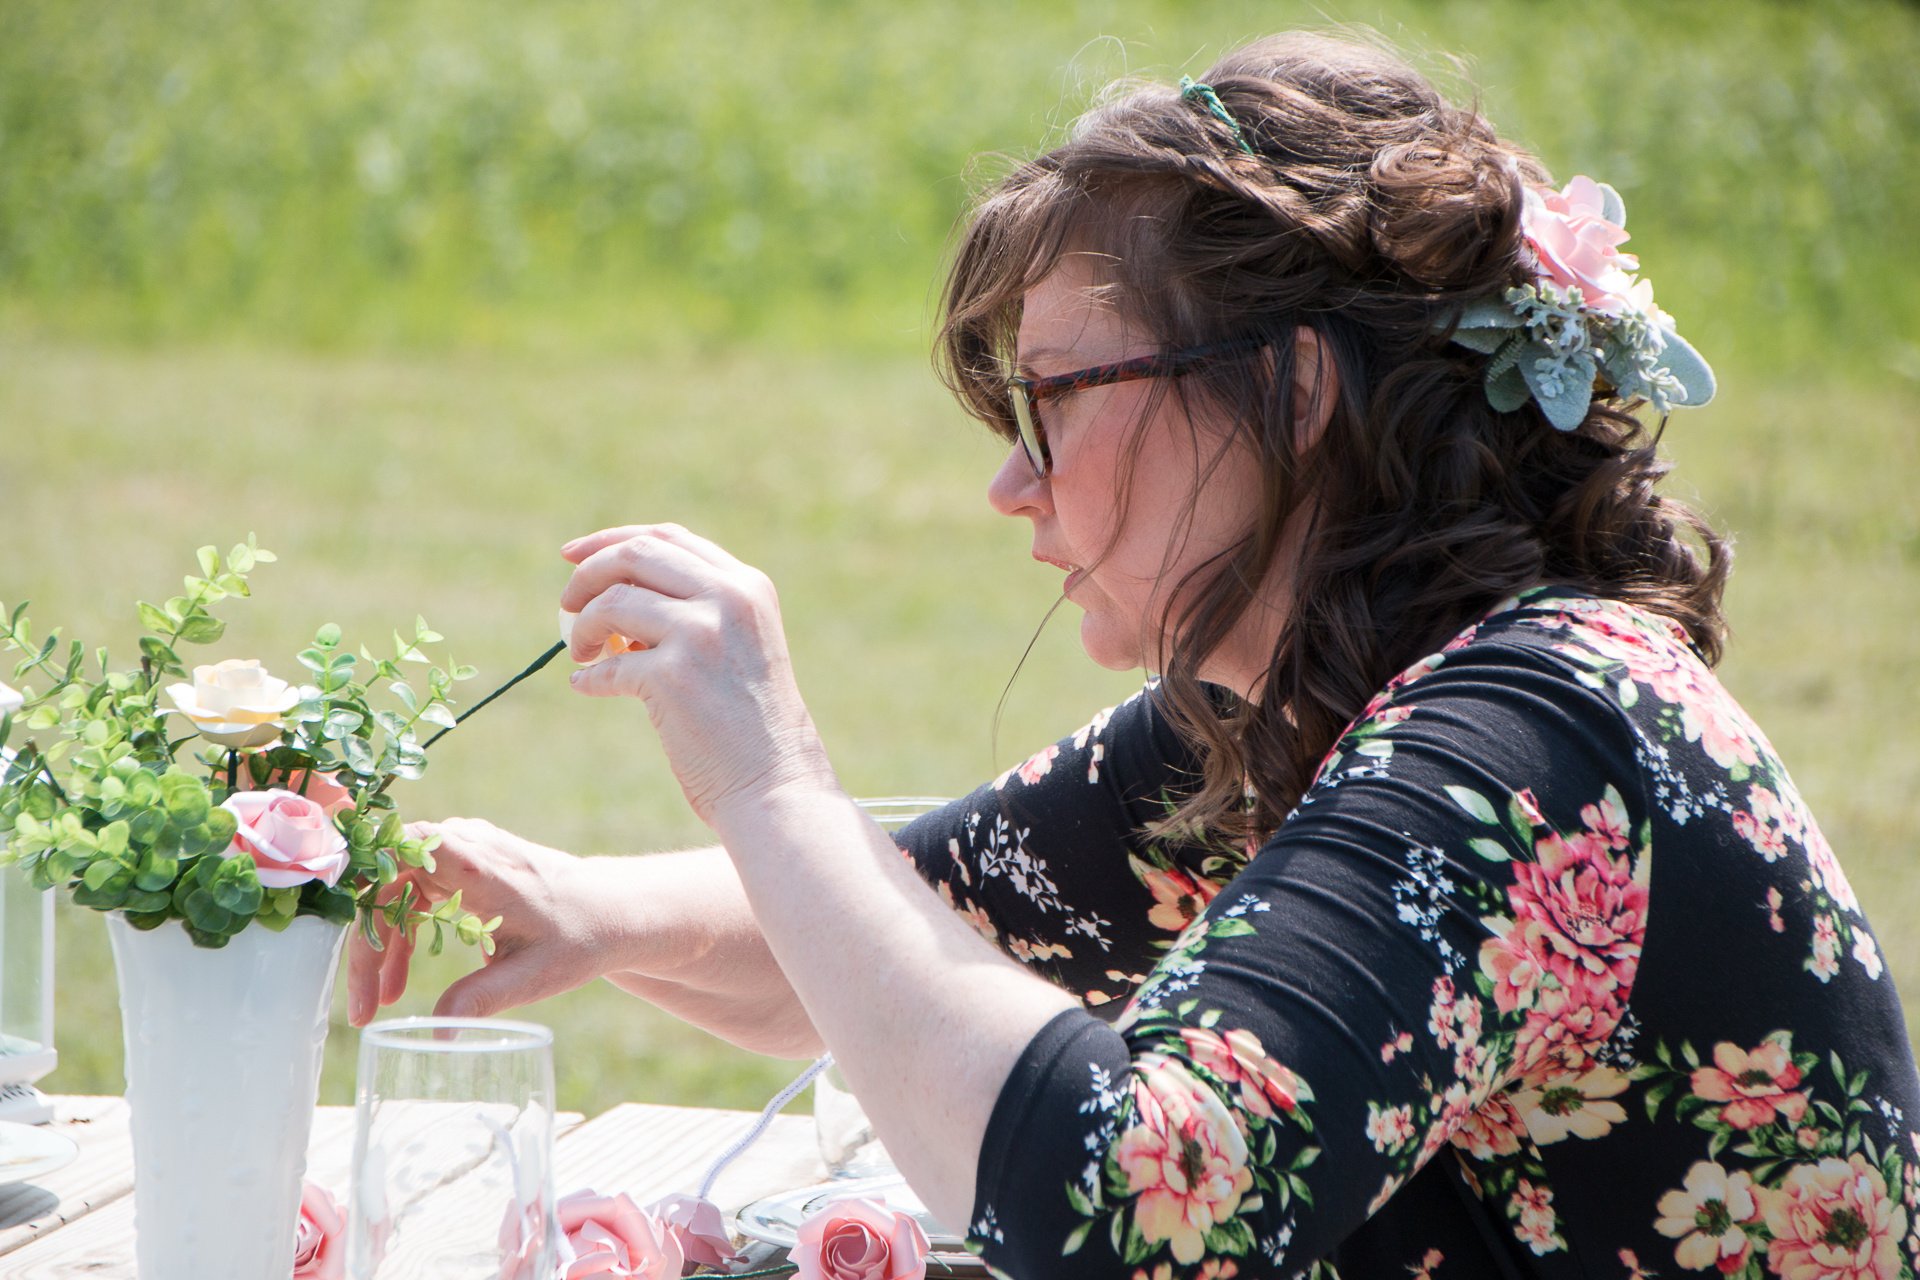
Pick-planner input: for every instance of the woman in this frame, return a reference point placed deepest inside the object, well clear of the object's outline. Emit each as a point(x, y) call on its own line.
point(1434, 911)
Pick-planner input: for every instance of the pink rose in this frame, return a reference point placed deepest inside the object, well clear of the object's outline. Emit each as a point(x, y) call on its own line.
point(323, 789)
point(614, 1237)
point(857, 1239)
point(320, 1239)
point(1578, 247)
point(290, 838)
point(699, 1228)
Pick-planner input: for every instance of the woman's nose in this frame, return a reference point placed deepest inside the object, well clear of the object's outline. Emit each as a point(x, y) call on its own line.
point(1014, 489)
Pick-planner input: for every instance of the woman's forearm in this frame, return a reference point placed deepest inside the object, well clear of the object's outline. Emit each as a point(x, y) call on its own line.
point(687, 941)
point(902, 990)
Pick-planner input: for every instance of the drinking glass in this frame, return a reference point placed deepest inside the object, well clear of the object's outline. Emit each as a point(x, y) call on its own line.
point(840, 1125)
point(453, 1152)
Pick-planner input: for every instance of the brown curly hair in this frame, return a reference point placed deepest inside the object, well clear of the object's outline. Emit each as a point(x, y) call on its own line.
point(1369, 210)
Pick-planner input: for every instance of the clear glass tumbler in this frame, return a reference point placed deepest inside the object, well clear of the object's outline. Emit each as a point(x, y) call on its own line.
point(840, 1125)
point(453, 1152)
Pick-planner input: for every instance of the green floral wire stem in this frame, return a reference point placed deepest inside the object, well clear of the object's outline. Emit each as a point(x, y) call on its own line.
point(529, 669)
point(1193, 91)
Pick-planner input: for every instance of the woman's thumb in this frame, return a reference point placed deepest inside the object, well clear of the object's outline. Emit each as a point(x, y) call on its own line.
point(482, 993)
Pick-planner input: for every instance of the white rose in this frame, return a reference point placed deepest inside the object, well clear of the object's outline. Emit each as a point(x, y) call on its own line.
point(235, 703)
point(10, 700)
point(614, 644)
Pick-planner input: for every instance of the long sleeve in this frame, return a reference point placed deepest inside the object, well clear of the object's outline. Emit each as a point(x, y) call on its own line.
point(1050, 861)
point(1451, 918)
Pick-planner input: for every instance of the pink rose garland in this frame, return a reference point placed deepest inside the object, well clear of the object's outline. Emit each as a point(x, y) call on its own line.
point(614, 1237)
point(319, 1240)
point(857, 1239)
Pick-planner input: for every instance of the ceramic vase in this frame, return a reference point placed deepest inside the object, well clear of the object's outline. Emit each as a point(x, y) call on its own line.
point(223, 1069)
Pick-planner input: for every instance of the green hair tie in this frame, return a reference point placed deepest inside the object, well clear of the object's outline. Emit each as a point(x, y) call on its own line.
point(1191, 89)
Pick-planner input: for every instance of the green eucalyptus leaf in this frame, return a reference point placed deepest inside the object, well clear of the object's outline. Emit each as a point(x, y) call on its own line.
point(152, 618)
point(209, 558)
point(202, 629)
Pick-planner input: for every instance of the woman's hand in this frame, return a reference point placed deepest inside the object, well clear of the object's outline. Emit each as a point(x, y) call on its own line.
point(713, 667)
point(551, 937)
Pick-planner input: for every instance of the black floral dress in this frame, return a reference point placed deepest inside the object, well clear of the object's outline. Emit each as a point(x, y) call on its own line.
point(1549, 974)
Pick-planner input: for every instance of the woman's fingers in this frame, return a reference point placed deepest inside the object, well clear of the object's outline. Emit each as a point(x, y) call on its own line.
point(646, 560)
point(581, 549)
point(635, 614)
point(376, 978)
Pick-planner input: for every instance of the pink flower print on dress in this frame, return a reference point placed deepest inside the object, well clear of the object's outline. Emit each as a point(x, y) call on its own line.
point(1707, 1215)
point(1834, 1220)
point(1178, 896)
point(1389, 1128)
point(1756, 1086)
point(1183, 1157)
point(1239, 1058)
point(1824, 963)
point(1494, 1128)
point(1537, 1225)
point(1593, 905)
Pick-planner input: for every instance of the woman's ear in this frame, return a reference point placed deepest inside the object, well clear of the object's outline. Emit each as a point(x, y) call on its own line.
point(1316, 386)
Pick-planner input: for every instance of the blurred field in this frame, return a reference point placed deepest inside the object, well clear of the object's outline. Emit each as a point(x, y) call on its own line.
point(417, 291)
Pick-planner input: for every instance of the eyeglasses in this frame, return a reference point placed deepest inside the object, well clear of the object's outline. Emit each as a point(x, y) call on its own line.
point(1027, 393)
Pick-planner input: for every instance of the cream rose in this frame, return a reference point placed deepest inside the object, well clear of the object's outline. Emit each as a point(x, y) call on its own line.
point(614, 644)
point(289, 837)
point(10, 700)
point(235, 703)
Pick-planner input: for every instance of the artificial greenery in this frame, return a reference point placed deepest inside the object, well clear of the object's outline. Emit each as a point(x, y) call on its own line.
point(97, 799)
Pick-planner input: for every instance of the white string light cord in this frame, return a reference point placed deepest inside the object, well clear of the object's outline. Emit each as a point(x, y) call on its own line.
point(767, 1113)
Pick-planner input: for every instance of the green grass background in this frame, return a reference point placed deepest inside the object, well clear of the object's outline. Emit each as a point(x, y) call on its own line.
point(419, 289)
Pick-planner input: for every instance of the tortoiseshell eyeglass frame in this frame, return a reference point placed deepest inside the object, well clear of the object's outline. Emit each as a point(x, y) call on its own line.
point(1026, 393)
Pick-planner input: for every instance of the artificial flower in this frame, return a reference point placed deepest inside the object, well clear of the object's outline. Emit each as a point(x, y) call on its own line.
point(612, 1236)
point(235, 703)
point(324, 789)
point(698, 1226)
point(320, 1238)
point(858, 1239)
point(289, 837)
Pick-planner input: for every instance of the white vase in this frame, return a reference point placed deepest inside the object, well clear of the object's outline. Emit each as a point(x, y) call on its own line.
point(223, 1070)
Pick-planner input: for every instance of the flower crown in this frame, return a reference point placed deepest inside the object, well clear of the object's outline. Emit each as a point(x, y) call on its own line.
point(1584, 321)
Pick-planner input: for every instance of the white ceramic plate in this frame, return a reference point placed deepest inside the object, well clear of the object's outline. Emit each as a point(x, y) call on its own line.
point(30, 1151)
point(776, 1219)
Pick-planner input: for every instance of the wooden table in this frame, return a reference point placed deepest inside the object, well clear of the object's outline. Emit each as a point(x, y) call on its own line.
point(78, 1221)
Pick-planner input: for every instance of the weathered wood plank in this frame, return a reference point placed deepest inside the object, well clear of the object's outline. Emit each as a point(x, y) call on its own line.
point(102, 1173)
point(100, 1244)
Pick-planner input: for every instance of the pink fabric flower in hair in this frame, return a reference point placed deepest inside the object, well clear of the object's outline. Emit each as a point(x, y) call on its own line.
point(1579, 247)
point(698, 1227)
point(320, 1237)
point(858, 1239)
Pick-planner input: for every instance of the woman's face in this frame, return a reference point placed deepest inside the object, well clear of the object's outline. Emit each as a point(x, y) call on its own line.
point(1122, 565)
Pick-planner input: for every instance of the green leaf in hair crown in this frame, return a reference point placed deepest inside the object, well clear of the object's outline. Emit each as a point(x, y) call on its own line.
point(1586, 322)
